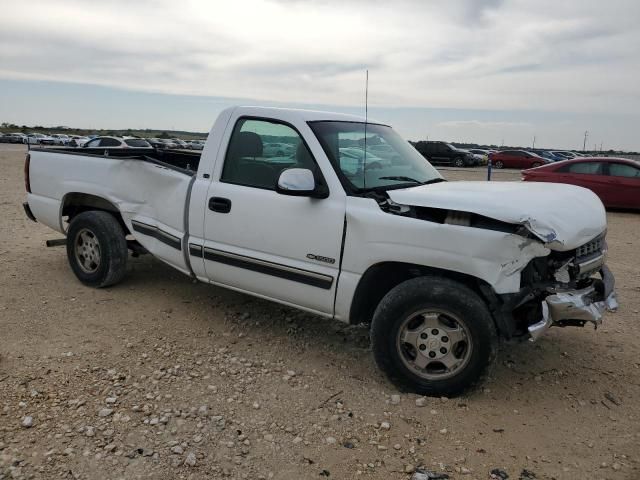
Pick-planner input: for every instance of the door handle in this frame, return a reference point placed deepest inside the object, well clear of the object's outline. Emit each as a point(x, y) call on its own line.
point(219, 204)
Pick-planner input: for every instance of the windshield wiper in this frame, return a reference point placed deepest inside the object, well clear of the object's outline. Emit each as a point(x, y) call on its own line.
point(434, 180)
point(400, 178)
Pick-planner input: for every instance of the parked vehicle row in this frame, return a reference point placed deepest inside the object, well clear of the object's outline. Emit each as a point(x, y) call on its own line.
point(92, 141)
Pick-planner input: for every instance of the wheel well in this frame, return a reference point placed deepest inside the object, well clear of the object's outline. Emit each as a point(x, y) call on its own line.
point(76, 203)
point(379, 279)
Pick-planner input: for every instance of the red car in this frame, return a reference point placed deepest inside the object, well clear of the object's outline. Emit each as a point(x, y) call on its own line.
point(516, 159)
point(615, 180)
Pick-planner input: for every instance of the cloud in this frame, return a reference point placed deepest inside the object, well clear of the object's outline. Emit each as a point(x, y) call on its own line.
point(573, 55)
point(466, 124)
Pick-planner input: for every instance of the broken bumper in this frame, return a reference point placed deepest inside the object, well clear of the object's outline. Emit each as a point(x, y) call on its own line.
point(577, 307)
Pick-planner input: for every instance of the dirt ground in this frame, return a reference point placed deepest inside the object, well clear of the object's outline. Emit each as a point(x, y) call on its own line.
point(161, 378)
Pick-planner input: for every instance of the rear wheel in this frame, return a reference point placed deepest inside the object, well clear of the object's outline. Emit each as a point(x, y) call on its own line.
point(499, 164)
point(97, 249)
point(433, 336)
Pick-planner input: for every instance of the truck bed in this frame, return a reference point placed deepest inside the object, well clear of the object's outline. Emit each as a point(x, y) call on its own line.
point(148, 188)
point(182, 161)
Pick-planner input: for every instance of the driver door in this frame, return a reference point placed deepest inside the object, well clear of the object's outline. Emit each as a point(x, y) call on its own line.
point(285, 248)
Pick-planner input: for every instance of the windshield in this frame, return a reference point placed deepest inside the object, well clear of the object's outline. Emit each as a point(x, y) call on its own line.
point(390, 161)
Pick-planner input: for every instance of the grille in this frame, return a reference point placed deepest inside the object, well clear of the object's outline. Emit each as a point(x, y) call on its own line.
point(591, 248)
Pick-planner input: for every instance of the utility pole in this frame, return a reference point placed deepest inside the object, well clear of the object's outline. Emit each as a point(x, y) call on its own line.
point(584, 143)
point(534, 142)
point(600, 147)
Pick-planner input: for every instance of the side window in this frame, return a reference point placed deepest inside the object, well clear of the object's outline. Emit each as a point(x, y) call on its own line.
point(109, 142)
point(623, 170)
point(93, 143)
point(585, 168)
point(259, 150)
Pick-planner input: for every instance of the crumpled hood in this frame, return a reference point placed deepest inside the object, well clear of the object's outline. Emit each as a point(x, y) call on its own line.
point(562, 216)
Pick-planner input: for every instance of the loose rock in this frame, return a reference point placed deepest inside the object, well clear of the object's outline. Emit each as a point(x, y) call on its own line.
point(499, 474)
point(190, 461)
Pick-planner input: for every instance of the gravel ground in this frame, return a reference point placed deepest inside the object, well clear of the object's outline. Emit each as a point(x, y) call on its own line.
point(159, 377)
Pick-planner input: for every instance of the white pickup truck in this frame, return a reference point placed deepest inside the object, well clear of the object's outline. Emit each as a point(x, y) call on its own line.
point(441, 270)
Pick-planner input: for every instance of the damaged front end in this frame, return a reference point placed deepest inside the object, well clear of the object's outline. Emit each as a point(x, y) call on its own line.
point(559, 285)
point(549, 248)
point(580, 288)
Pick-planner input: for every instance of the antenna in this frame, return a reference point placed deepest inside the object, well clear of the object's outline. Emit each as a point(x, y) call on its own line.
point(366, 120)
point(366, 99)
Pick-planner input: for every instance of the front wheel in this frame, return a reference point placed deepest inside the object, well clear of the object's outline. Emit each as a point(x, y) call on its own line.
point(458, 162)
point(535, 164)
point(499, 164)
point(433, 336)
point(97, 249)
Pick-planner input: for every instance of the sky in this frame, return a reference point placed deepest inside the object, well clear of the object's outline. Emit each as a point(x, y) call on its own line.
point(485, 71)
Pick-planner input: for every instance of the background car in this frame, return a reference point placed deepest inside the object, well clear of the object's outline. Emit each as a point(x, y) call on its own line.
point(117, 142)
point(382, 151)
point(563, 154)
point(196, 144)
point(38, 139)
point(277, 149)
point(13, 138)
point(615, 180)
point(179, 143)
point(162, 143)
point(60, 139)
point(482, 152)
point(516, 159)
point(444, 154)
point(480, 158)
point(352, 160)
point(548, 155)
point(77, 140)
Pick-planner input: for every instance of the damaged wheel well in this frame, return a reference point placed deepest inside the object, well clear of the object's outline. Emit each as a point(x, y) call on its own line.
point(379, 279)
point(75, 203)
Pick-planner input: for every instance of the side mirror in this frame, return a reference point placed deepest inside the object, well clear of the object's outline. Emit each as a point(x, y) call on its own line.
point(300, 182)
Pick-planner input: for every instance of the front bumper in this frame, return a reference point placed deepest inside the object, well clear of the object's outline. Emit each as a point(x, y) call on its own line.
point(577, 307)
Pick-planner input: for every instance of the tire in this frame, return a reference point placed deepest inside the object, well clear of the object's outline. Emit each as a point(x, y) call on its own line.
point(499, 164)
point(97, 249)
point(458, 162)
point(426, 300)
point(535, 164)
